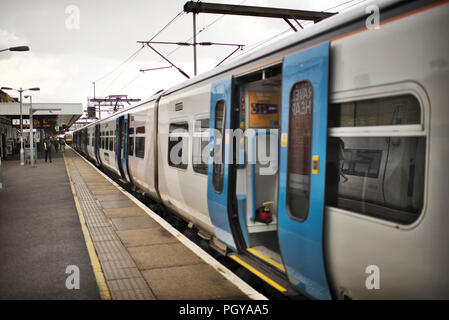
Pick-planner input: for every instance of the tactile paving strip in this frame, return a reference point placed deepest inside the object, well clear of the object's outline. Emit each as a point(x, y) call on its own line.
point(123, 278)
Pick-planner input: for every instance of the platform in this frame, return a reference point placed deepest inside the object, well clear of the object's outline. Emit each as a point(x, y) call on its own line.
point(128, 252)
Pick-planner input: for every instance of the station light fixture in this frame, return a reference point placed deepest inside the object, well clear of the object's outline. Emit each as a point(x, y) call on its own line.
point(19, 48)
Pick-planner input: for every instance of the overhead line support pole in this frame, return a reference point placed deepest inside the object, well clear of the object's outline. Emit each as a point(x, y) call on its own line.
point(194, 45)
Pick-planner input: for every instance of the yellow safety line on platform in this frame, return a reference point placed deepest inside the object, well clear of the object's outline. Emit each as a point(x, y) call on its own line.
point(259, 274)
point(271, 261)
point(95, 262)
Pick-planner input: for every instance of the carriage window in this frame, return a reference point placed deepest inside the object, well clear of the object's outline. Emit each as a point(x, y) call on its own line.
point(200, 143)
point(178, 145)
point(381, 177)
point(219, 146)
point(131, 131)
point(140, 130)
point(131, 146)
point(398, 110)
point(299, 150)
point(111, 143)
point(140, 147)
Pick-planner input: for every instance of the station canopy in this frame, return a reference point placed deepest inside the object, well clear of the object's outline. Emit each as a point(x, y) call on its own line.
point(53, 115)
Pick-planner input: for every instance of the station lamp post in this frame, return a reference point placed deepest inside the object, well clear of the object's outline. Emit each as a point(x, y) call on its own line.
point(21, 48)
point(22, 152)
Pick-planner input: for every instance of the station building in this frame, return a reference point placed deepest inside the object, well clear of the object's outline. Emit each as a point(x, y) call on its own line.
point(48, 119)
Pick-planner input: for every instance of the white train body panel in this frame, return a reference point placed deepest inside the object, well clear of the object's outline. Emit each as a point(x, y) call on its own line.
point(90, 145)
point(107, 150)
point(143, 170)
point(402, 56)
point(183, 190)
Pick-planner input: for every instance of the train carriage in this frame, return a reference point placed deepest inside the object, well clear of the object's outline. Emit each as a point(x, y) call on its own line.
point(320, 159)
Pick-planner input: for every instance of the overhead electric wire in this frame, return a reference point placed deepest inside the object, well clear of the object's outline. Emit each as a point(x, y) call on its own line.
point(251, 47)
point(116, 68)
point(127, 64)
point(201, 30)
point(134, 55)
point(168, 24)
point(126, 85)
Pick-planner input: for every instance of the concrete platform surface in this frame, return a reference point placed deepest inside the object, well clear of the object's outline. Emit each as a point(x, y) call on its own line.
point(40, 234)
point(66, 214)
point(140, 258)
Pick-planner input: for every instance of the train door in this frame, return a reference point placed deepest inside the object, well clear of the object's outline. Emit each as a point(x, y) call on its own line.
point(218, 167)
point(302, 169)
point(121, 154)
point(257, 174)
point(85, 136)
point(97, 144)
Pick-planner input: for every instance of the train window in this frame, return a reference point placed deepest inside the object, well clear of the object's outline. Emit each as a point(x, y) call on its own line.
point(140, 130)
point(178, 142)
point(102, 143)
point(131, 146)
point(299, 151)
point(399, 110)
point(131, 131)
point(378, 176)
point(111, 143)
point(106, 144)
point(219, 146)
point(200, 143)
point(140, 147)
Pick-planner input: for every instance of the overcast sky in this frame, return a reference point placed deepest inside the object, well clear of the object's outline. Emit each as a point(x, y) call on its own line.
point(68, 54)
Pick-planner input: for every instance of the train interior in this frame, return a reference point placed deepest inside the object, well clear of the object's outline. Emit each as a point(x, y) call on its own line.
point(257, 176)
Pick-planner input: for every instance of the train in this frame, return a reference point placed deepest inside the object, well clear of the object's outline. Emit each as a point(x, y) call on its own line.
point(68, 137)
point(317, 162)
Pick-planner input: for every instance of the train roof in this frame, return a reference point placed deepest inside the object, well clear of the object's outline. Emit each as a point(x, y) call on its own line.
point(326, 25)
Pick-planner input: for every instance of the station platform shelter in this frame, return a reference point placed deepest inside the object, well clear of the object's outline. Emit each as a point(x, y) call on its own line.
point(48, 119)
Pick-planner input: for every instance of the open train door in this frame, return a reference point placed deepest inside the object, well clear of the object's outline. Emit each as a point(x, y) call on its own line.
point(218, 166)
point(302, 169)
point(121, 154)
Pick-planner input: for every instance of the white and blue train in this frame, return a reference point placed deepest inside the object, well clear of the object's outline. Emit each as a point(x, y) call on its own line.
point(356, 207)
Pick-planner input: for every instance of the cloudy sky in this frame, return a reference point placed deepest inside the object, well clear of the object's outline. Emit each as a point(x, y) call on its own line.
point(74, 43)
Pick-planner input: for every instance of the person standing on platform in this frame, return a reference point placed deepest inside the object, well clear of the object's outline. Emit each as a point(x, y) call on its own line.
point(47, 148)
point(56, 145)
point(62, 144)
